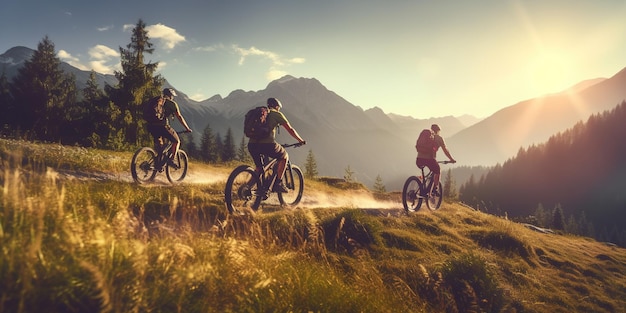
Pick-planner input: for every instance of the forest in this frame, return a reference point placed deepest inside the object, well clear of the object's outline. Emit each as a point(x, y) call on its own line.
point(42, 103)
point(573, 182)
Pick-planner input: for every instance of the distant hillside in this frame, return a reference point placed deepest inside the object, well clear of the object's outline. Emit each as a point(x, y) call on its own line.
point(498, 137)
point(581, 170)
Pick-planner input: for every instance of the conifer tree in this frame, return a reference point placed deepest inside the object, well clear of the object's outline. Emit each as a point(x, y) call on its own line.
point(242, 153)
point(558, 219)
point(42, 90)
point(310, 167)
point(229, 151)
point(379, 186)
point(208, 146)
point(348, 174)
point(137, 84)
point(219, 146)
point(449, 187)
point(6, 104)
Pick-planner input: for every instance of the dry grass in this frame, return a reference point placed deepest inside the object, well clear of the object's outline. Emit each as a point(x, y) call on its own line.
point(100, 243)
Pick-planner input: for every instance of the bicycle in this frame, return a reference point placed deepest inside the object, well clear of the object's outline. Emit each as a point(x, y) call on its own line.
point(245, 188)
point(416, 189)
point(147, 161)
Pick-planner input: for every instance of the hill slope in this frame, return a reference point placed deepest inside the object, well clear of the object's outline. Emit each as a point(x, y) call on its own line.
point(113, 246)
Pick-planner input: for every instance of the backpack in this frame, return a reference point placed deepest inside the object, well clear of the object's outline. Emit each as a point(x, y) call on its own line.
point(426, 142)
point(153, 110)
point(255, 124)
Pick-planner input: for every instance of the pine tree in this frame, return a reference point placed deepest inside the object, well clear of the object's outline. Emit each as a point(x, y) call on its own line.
point(449, 187)
point(242, 153)
point(208, 146)
point(558, 219)
point(348, 174)
point(379, 186)
point(229, 151)
point(310, 167)
point(219, 146)
point(42, 90)
point(6, 104)
point(137, 84)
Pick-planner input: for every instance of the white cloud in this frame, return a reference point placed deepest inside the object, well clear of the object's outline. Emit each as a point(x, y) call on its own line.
point(71, 60)
point(102, 52)
point(104, 59)
point(275, 71)
point(105, 28)
point(128, 27)
point(169, 36)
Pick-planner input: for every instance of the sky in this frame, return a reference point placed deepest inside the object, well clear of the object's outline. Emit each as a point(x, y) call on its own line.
point(416, 58)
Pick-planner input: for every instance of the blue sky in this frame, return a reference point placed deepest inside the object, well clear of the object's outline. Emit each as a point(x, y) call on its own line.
point(418, 58)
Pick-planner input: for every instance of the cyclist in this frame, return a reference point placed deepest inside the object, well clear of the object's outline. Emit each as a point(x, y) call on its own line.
point(268, 145)
point(428, 159)
point(162, 128)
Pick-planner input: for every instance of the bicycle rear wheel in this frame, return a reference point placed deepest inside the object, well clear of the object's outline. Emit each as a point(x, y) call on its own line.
point(435, 198)
point(241, 191)
point(411, 199)
point(176, 174)
point(142, 165)
point(294, 181)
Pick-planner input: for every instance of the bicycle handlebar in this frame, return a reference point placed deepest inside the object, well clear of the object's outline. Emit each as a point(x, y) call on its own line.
point(446, 162)
point(295, 145)
point(182, 132)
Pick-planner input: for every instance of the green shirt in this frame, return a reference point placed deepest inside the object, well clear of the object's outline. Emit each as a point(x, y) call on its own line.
point(274, 119)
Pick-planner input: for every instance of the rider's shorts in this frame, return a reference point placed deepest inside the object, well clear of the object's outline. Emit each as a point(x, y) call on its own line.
point(272, 150)
point(165, 131)
point(430, 163)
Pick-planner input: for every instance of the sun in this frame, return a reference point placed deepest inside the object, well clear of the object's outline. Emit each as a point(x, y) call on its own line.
point(549, 72)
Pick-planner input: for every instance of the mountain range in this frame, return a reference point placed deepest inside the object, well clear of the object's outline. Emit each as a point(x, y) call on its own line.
point(373, 143)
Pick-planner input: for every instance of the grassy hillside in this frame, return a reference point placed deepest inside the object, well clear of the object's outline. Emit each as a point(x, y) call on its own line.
point(78, 236)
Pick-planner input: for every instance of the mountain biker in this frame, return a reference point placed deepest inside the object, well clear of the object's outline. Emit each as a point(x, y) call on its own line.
point(430, 159)
point(162, 129)
point(269, 147)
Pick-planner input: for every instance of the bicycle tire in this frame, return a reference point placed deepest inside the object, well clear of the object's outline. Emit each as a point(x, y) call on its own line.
point(294, 181)
point(241, 190)
point(434, 201)
point(411, 199)
point(142, 165)
point(177, 174)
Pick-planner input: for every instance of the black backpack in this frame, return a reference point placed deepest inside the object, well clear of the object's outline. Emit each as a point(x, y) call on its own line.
point(255, 124)
point(426, 142)
point(153, 110)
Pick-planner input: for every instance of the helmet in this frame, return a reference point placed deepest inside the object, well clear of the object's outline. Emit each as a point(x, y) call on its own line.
point(435, 127)
point(169, 92)
point(273, 102)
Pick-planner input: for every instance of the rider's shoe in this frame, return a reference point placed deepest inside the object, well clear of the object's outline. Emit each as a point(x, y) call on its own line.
point(172, 164)
point(280, 187)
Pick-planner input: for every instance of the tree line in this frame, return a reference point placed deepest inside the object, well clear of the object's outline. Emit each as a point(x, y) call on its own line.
point(574, 182)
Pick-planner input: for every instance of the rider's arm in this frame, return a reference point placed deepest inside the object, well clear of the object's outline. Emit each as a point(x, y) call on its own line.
point(181, 119)
point(293, 132)
point(447, 153)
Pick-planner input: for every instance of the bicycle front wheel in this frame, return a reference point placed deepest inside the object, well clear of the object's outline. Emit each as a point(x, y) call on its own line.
point(142, 166)
point(241, 191)
point(411, 199)
point(294, 181)
point(176, 174)
point(435, 198)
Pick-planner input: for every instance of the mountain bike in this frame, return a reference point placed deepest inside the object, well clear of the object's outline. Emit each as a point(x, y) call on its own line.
point(416, 189)
point(245, 188)
point(147, 162)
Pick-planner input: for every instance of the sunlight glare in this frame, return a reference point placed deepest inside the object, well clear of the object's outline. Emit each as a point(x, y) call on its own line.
point(549, 72)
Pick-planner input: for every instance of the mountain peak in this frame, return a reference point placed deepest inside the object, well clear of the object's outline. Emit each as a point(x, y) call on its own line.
point(16, 55)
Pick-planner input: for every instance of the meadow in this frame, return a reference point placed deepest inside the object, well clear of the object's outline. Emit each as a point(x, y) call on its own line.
point(77, 235)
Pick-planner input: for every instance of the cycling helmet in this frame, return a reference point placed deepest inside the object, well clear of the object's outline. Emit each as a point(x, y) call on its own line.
point(273, 102)
point(169, 92)
point(435, 128)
